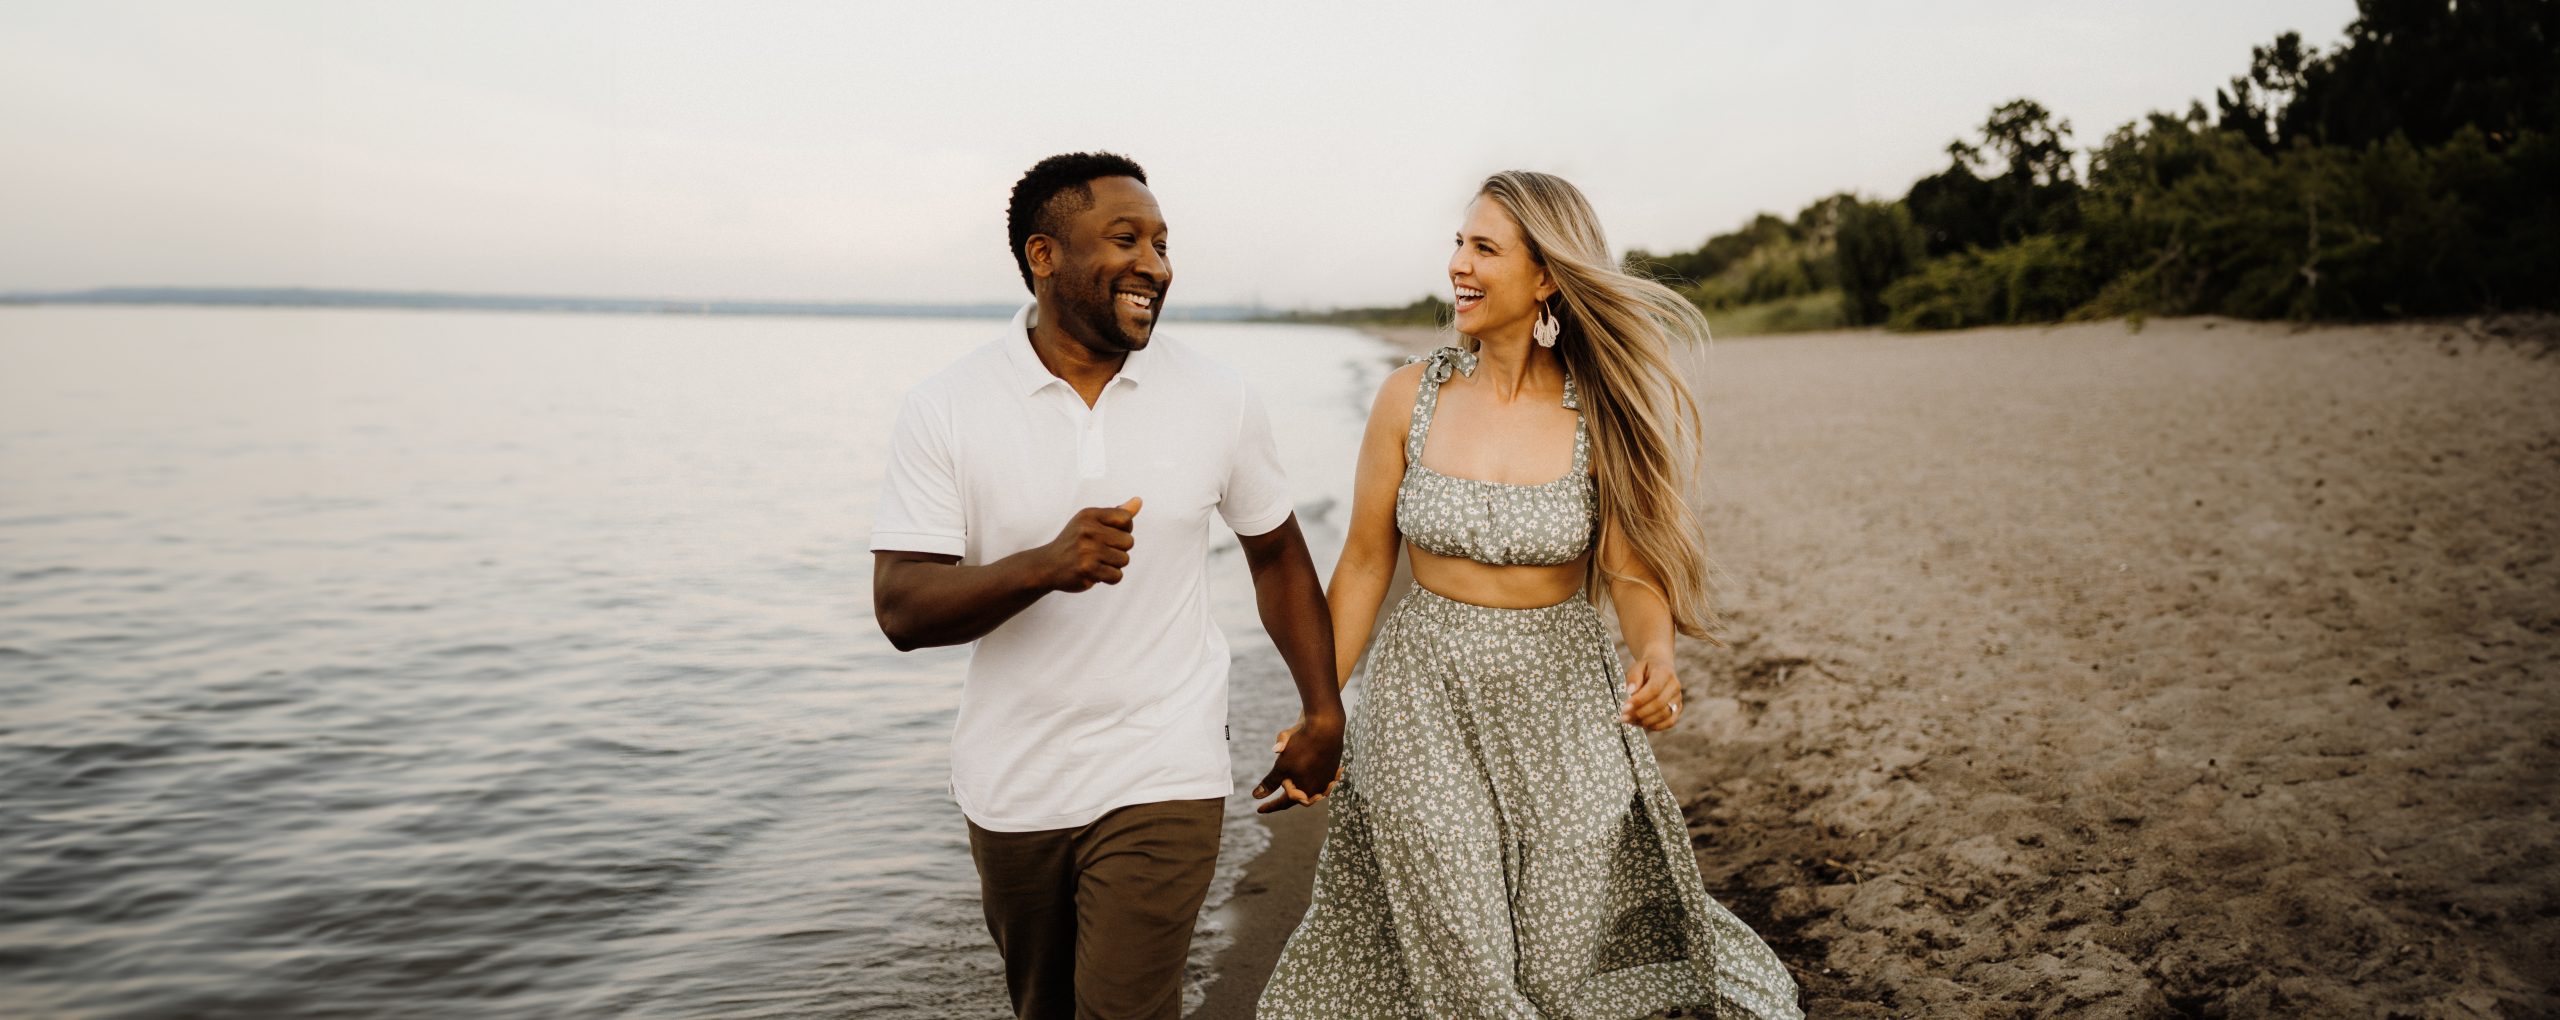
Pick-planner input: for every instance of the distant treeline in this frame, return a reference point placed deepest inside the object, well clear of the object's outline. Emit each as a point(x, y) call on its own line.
point(2413, 170)
point(1427, 311)
point(313, 297)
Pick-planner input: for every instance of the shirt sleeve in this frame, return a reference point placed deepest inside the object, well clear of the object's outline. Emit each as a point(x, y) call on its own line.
point(1255, 498)
point(920, 492)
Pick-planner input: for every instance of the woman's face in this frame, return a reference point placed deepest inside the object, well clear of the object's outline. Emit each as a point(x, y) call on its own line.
point(1496, 286)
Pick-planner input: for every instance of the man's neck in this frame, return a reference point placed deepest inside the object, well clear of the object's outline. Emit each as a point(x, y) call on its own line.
point(1082, 367)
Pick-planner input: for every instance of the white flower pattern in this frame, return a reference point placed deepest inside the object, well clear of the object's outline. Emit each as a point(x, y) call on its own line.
point(1493, 522)
point(1501, 845)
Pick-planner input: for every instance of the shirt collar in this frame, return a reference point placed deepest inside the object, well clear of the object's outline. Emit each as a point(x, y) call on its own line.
point(1030, 375)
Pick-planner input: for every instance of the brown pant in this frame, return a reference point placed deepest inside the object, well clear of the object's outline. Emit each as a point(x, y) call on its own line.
point(1094, 922)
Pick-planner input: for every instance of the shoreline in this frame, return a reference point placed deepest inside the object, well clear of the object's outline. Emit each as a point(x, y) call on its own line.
point(1270, 898)
point(1272, 895)
point(1264, 909)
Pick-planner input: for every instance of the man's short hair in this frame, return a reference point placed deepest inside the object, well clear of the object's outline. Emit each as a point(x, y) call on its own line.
point(1054, 189)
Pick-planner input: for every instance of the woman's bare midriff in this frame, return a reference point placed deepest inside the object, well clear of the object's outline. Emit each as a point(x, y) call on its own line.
point(1483, 584)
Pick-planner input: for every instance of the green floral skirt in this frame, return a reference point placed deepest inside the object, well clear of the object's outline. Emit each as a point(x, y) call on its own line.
point(1501, 846)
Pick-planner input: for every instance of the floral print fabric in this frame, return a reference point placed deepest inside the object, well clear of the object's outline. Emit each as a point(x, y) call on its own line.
point(1493, 522)
point(1501, 846)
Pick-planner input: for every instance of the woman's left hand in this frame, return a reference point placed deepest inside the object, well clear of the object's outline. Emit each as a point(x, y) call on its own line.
point(1653, 695)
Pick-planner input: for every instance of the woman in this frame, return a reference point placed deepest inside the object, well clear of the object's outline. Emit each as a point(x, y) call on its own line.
point(1502, 843)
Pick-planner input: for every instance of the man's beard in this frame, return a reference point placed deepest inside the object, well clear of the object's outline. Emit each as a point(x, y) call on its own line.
point(1098, 309)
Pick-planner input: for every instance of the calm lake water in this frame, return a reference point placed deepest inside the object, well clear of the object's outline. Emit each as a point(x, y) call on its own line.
point(407, 664)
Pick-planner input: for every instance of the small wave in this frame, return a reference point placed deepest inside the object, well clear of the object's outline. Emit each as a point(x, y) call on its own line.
point(620, 749)
point(70, 518)
point(423, 536)
point(238, 704)
point(74, 756)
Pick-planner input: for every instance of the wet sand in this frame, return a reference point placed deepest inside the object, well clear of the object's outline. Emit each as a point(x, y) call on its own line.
point(2205, 670)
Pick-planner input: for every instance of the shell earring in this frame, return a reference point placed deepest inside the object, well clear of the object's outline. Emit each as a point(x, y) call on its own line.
point(1547, 327)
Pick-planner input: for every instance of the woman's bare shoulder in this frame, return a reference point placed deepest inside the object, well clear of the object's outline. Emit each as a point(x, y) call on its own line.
point(1394, 402)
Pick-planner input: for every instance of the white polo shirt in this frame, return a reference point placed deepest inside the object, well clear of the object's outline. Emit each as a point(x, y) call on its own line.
point(1094, 700)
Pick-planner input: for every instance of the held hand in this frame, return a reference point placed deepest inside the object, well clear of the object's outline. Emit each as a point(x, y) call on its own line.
point(1653, 695)
point(1093, 547)
point(1280, 743)
point(1310, 759)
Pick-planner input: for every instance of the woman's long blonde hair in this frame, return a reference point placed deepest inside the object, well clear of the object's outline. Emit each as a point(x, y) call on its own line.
point(1619, 329)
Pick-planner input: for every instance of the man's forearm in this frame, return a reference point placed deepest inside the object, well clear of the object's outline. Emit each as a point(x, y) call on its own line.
point(1293, 612)
point(923, 603)
point(1291, 602)
point(922, 600)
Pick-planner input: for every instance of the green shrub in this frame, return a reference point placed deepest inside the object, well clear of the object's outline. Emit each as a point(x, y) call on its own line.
point(2181, 219)
point(1815, 311)
point(1877, 244)
point(2039, 279)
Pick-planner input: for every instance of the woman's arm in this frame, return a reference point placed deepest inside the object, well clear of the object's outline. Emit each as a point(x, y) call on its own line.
point(1369, 543)
point(1644, 620)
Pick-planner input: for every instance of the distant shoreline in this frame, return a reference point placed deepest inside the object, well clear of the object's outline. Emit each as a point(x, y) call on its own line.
point(306, 297)
point(1409, 339)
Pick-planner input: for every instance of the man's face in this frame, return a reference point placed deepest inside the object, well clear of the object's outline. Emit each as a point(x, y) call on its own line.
point(1110, 273)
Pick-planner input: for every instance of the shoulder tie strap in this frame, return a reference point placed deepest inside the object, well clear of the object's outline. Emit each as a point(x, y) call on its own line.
point(1437, 367)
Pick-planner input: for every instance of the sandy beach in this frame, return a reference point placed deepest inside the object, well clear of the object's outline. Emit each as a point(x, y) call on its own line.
point(2200, 670)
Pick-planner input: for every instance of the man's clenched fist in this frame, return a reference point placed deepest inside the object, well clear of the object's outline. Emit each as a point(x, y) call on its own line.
point(1093, 547)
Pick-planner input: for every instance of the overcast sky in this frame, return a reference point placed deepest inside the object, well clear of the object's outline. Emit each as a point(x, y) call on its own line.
point(1305, 154)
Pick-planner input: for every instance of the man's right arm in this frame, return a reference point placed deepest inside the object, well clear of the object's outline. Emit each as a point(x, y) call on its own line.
point(922, 600)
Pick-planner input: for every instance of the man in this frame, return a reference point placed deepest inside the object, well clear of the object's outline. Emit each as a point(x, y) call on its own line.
point(1090, 756)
